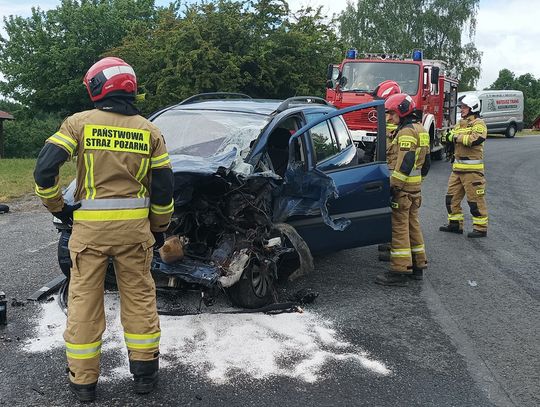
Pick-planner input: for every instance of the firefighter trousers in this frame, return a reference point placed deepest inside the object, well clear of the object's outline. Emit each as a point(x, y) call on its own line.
point(472, 185)
point(407, 250)
point(86, 317)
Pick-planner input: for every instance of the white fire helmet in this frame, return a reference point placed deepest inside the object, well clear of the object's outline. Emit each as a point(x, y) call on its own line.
point(470, 101)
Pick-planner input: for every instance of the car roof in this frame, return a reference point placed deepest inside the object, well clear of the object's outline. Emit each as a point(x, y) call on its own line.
point(265, 107)
point(261, 106)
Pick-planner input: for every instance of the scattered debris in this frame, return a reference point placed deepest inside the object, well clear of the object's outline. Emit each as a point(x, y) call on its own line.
point(3, 308)
point(305, 296)
point(47, 289)
point(16, 303)
point(472, 283)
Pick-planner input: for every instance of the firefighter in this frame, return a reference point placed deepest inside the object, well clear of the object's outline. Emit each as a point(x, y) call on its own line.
point(407, 252)
point(467, 177)
point(123, 206)
point(383, 91)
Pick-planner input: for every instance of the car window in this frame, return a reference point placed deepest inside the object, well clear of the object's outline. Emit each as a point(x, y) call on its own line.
point(205, 133)
point(314, 116)
point(341, 132)
point(324, 144)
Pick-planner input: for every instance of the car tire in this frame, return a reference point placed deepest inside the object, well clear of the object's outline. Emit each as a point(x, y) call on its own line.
point(64, 260)
point(4, 208)
point(255, 289)
point(437, 155)
point(510, 131)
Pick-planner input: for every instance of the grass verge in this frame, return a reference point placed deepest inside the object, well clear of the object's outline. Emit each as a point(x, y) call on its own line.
point(17, 179)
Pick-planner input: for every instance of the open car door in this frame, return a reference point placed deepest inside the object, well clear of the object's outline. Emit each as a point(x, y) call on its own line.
point(337, 208)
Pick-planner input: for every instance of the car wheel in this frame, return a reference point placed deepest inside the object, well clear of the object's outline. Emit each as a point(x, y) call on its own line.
point(437, 155)
point(64, 260)
point(4, 208)
point(255, 289)
point(510, 131)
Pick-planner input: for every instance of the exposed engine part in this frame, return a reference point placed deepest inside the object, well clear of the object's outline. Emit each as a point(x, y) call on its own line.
point(172, 282)
point(173, 249)
point(235, 269)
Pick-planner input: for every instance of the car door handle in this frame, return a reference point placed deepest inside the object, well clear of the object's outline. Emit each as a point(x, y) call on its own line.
point(374, 187)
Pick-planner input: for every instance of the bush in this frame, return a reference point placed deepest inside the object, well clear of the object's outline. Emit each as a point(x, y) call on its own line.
point(24, 137)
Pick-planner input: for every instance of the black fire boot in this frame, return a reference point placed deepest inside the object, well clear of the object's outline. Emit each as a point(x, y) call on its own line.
point(384, 256)
point(83, 392)
point(392, 279)
point(477, 233)
point(452, 227)
point(145, 375)
point(384, 247)
point(417, 274)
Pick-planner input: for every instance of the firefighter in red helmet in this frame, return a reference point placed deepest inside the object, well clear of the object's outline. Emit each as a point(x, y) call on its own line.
point(407, 252)
point(384, 91)
point(123, 205)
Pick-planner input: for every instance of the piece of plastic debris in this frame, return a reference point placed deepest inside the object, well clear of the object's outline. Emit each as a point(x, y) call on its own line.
point(472, 283)
point(16, 303)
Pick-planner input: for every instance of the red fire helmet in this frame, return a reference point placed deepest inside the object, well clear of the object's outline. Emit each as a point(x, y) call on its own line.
point(108, 77)
point(387, 89)
point(401, 103)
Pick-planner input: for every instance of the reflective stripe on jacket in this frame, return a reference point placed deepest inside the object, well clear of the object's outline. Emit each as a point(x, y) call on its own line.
point(469, 136)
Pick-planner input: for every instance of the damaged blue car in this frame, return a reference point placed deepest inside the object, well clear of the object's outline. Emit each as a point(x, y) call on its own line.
point(260, 186)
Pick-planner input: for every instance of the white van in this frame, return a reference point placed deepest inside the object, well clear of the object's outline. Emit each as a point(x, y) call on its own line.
point(502, 110)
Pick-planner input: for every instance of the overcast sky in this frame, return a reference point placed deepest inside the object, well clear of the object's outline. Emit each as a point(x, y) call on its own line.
point(507, 34)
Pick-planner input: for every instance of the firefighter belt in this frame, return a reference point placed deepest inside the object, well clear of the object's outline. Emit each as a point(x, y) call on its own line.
point(86, 317)
point(407, 250)
point(472, 184)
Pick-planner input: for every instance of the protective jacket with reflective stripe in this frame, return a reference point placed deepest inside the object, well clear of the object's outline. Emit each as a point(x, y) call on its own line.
point(412, 162)
point(117, 156)
point(391, 145)
point(469, 136)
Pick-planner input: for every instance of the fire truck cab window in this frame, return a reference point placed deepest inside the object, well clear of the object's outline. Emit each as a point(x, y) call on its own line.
point(365, 76)
point(323, 143)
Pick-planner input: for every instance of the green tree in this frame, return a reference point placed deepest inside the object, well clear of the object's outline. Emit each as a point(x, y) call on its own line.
point(43, 57)
point(255, 47)
point(399, 26)
point(505, 80)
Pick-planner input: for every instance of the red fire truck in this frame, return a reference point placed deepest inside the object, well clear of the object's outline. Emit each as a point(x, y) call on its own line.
point(355, 79)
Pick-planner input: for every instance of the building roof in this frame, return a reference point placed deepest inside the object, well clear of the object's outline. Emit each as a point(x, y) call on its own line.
point(6, 116)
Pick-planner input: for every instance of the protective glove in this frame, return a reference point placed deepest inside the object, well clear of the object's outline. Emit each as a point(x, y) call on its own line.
point(66, 214)
point(448, 137)
point(160, 239)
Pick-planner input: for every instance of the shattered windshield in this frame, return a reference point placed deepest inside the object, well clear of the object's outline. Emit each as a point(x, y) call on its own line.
point(365, 76)
point(204, 133)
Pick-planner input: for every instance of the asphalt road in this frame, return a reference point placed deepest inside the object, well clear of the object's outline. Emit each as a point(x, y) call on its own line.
point(469, 335)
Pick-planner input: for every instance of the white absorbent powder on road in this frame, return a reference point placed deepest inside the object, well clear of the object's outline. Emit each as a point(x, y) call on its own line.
point(219, 346)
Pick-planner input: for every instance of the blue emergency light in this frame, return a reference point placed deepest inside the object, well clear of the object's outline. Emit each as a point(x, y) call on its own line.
point(351, 53)
point(417, 55)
